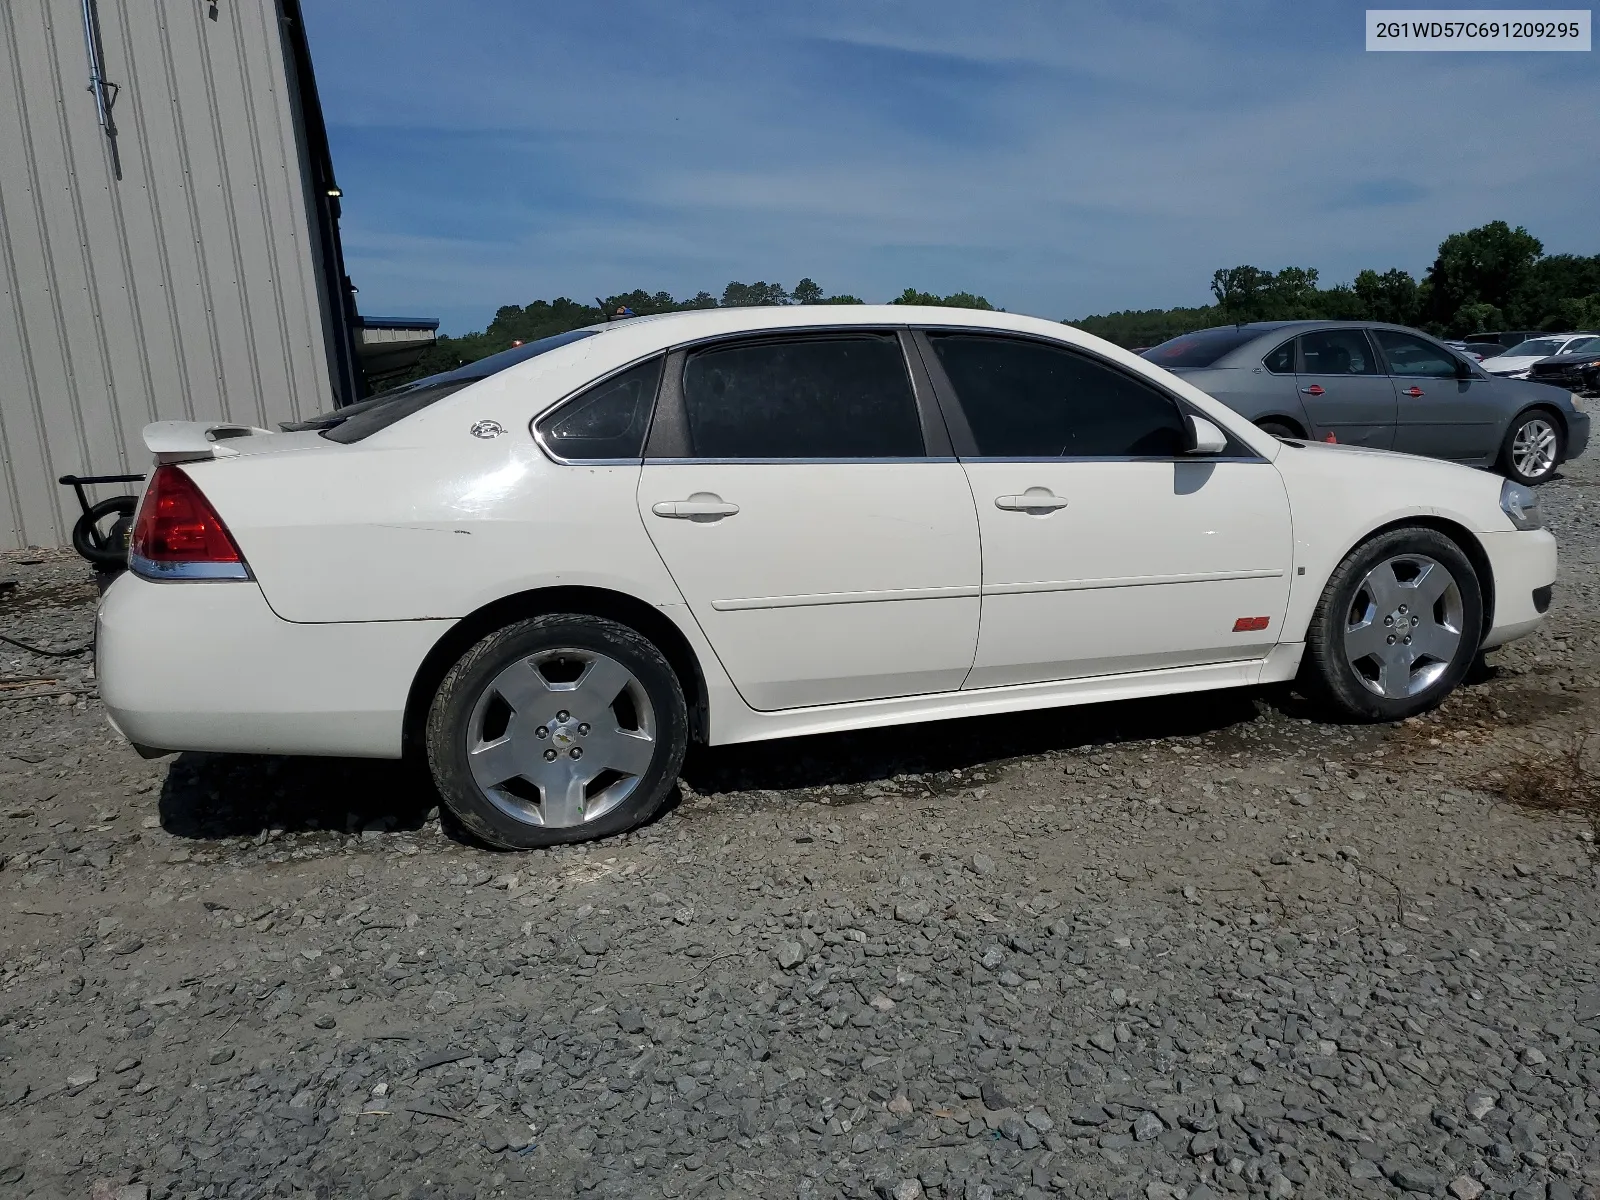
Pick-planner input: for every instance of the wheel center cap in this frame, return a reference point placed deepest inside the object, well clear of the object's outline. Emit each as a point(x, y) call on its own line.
point(564, 734)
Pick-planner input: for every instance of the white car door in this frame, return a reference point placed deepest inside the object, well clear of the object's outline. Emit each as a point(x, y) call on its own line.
point(826, 553)
point(1105, 548)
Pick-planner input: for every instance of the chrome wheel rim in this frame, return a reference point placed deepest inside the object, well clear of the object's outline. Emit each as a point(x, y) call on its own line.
point(1404, 625)
point(560, 738)
point(1533, 448)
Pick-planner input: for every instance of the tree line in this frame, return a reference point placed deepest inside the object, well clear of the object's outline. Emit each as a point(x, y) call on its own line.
point(1483, 280)
point(515, 324)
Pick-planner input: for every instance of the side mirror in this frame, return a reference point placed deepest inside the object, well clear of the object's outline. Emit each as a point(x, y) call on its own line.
point(1463, 369)
point(1204, 437)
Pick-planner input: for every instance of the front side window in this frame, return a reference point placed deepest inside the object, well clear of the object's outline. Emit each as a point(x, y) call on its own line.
point(608, 420)
point(820, 397)
point(1337, 352)
point(1412, 357)
point(1027, 399)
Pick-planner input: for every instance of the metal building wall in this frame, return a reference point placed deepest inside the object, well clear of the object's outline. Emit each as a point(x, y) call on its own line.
point(186, 289)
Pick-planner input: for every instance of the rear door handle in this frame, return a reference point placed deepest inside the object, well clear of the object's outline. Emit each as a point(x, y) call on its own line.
point(1316, 389)
point(1033, 500)
point(701, 505)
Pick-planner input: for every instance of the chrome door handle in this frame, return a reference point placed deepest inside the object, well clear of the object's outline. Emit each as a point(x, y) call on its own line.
point(702, 505)
point(1413, 391)
point(1033, 500)
point(1316, 389)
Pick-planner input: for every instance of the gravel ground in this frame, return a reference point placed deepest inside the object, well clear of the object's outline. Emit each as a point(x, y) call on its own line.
point(1174, 949)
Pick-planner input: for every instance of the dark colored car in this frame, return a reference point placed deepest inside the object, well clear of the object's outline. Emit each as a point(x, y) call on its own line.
point(1383, 386)
point(1577, 370)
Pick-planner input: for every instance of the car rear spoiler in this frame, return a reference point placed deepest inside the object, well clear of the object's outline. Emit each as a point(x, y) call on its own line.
point(186, 441)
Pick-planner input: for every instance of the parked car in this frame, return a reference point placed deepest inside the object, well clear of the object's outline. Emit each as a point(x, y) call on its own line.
point(739, 524)
point(1381, 386)
point(1516, 362)
point(1477, 351)
point(1577, 368)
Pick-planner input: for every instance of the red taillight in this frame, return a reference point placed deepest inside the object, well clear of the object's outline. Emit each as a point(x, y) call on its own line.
point(178, 535)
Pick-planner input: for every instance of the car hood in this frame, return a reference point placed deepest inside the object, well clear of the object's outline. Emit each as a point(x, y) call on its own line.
point(1503, 365)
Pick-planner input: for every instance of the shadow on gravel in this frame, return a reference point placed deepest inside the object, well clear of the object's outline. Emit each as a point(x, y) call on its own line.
point(875, 754)
point(236, 795)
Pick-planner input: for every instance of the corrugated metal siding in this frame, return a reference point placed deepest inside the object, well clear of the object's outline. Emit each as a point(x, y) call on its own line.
point(187, 289)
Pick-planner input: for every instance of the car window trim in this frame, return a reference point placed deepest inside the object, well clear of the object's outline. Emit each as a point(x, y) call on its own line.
point(965, 445)
point(1294, 358)
point(578, 393)
point(1360, 330)
point(668, 441)
point(1389, 370)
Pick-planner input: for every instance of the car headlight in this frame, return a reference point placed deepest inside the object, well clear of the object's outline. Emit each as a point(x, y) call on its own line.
point(1521, 504)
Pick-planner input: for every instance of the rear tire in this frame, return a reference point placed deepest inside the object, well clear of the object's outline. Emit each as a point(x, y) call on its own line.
point(560, 728)
point(1397, 627)
point(1277, 429)
point(1533, 448)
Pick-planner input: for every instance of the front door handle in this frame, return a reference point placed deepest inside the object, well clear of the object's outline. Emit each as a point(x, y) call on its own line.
point(702, 506)
point(1413, 391)
point(1316, 389)
point(1035, 500)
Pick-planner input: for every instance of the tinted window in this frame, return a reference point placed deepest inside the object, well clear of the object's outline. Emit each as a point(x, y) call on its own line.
point(1409, 355)
point(609, 420)
point(1537, 348)
point(1337, 352)
point(1199, 349)
point(1030, 400)
point(366, 417)
point(1281, 360)
point(832, 397)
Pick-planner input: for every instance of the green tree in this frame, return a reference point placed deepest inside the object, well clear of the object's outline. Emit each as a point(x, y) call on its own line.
point(1492, 264)
point(807, 292)
point(1241, 292)
point(753, 295)
point(1390, 297)
point(954, 300)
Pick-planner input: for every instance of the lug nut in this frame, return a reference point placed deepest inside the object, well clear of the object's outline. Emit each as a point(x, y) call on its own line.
point(1388, 620)
point(564, 714)
point(550, 755)
point(1416, 620)
point(1406, 639)
point(1402, 610)
point(577, 751)
point(583, 730)
point(1391, 639)
point(541, 732)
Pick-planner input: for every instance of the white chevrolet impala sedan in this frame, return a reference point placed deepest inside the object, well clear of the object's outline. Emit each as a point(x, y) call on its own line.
point(545, 573)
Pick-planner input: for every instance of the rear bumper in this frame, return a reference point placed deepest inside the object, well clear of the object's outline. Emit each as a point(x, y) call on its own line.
point(1522, 563)
point(209, 666)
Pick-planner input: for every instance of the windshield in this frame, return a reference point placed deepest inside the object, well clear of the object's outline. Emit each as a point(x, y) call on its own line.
point(1584, 346)
point(1199, 349)
point(356, 421)
point(1536, 348)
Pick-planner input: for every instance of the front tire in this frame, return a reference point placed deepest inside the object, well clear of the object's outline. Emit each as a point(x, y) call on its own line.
point(1533, 448)
point(560, 728)
point(1397, 627)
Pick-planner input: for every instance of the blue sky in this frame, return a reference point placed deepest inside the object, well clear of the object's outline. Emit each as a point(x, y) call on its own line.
point(1059, 158)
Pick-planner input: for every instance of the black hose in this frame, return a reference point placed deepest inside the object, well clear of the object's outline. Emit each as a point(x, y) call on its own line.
point(47, 653)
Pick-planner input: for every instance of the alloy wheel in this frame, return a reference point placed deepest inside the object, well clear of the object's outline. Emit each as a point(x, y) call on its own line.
point(1533, 448)
point(561, 738)
point(1404, 626)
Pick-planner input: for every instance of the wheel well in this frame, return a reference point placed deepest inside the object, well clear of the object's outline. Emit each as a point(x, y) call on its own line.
point(1543, 408)
point(595, 602)
point(1293, 426)
point(1470, 546)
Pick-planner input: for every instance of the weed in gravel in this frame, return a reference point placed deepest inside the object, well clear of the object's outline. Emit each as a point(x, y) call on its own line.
point(1557, 780)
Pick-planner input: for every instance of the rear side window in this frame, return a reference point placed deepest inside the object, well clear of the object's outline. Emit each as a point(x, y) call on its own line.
point(1029, 400)
point(1281, 360)
point(606, 421)
point(1411, 356)
point(1200, 349)
point(822, 397)
point(1337, 352)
